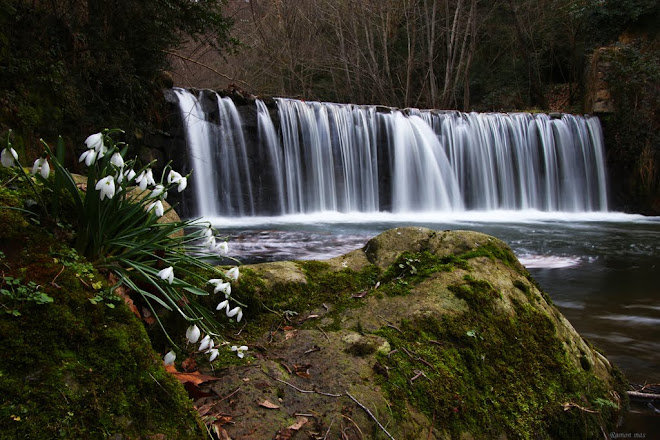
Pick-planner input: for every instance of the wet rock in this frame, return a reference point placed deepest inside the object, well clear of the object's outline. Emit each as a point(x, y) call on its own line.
point(439, 334)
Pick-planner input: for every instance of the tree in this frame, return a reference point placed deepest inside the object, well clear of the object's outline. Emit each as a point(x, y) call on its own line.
point(74, 66)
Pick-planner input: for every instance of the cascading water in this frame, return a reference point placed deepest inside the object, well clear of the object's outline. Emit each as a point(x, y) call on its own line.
point(349, 158)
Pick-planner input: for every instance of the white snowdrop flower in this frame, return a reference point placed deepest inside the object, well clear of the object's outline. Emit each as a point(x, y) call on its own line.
point(240, 350)
point(95, 142)
point(193, 334)
point(8, 157)
point(239, 316)
point(233, 273)
point(169, 358)
point(233, 312)
point(208, 231)
point(158, 208)
point(167, 274)
point(117, 160)
point(209, 242)
point(41, 165)
point(214, 354)
point(183, 184)
point(145, 178)
point(178, 179)
point(222, 247)
point(223, 305)
point(106, 186)
point(130, 174)
point(89, 157)
point(173, 177)
point(158, 190)
point(204, 345)
point(223, 287)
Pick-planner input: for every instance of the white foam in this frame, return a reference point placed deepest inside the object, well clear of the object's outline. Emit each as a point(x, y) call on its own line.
point(432, 217)
point(548, 261)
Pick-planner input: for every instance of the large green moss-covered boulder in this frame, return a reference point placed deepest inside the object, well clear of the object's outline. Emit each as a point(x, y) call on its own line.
point(438, 334)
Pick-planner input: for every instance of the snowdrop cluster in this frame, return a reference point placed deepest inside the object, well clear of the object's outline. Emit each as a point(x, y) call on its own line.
point(124, 175)
point(193, 332)
point(106, 196)
point(9, 158)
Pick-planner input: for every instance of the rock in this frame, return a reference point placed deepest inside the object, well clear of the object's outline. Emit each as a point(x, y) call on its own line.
point(438, 333)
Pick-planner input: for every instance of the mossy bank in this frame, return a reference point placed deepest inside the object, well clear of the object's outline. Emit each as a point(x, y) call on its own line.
point(440, 334)
point(75, 363)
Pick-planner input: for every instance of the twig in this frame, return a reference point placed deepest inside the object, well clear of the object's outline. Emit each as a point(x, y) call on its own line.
point(569, 405)
point(395, 328)
point(304, 391)
point(206, 67)
point(643, 396)
point(229, 395)
point(354, 424)
point(313, 349)
point(418, 374)
point(304, 415)
point(431, 427)
point(425, 362)
point(241, 330)
point(166, 392)
point(328, 431)
point(370, 414)
point(324, 333)
point(53, 283)
point(406, 351)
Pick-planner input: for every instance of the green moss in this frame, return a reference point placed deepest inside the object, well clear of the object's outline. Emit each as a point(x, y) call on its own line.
point(410, 268)
point(491, 374)
point(494, 251)
point(479, 294)
point(74, 369)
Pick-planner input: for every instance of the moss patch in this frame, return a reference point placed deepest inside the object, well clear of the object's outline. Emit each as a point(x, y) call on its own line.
point(491, 374)
point(81, 366)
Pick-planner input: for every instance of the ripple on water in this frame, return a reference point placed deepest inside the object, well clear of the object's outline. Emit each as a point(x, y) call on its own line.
point(548, 261)
point(632, 319)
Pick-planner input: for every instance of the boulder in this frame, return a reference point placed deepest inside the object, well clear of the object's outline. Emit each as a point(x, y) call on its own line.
point(420, 334)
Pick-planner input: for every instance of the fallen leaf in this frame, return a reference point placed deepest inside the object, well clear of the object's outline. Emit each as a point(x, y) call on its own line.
point(189, 365)
point(147, 316)
point(221, 433)
point(268, 404)
point(289, 335)
point(122, 292)
point(360, 294)
point(303, 370)
point(195, 378)
point(299, 424)
point(194, 391)
point(288, 433)
point(287, 328)
point(205, 409)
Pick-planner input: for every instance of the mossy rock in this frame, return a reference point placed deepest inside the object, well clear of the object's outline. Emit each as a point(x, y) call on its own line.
point(440, 334)
point(75, 363)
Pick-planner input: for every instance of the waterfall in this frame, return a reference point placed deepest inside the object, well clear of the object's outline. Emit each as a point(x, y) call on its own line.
point(305, 157)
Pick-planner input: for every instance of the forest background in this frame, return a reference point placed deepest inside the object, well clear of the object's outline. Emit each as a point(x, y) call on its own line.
point(72, 67)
